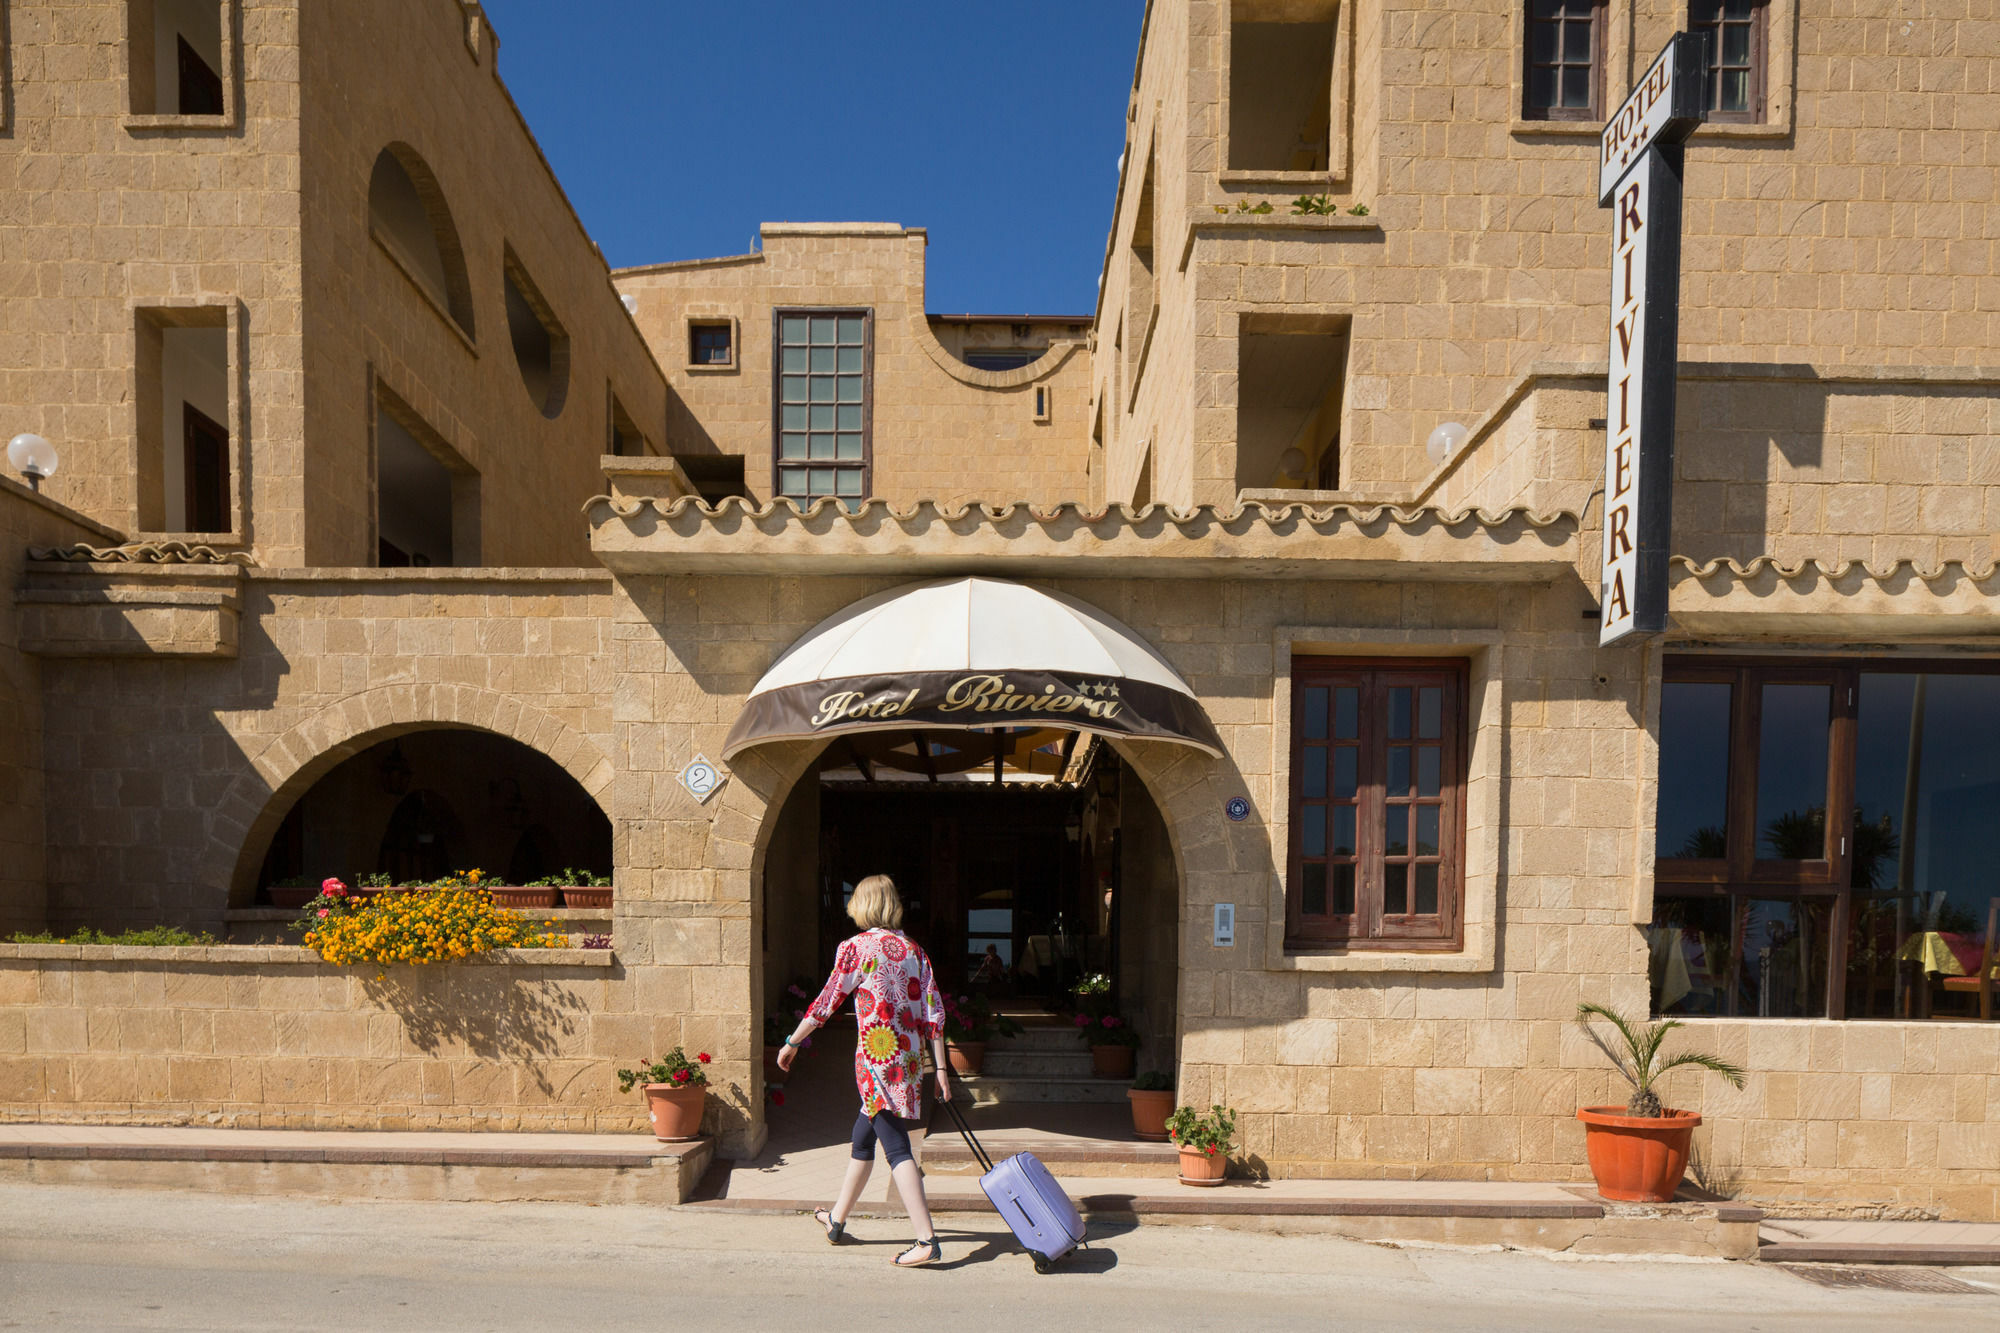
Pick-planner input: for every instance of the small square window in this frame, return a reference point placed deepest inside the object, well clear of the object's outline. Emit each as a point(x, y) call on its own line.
point(711, 344)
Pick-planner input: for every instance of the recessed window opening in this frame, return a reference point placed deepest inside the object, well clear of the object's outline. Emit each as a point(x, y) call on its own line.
point(176, 62)
point(1042, 402)
point(711, 342)
point(427, 498)
point(1142, 284)
point(1280, 84)
point(1142, 489)
point(1564, 74)
point(409, 217)
point(1290, 375)
point(182, 381)
point(823, 404)
point(1001, 358)
point(626, 440)
point(716, 477)
point(541, 345)
point(1734, 84)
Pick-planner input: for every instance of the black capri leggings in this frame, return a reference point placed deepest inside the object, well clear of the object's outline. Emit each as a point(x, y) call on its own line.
point(894, 1133)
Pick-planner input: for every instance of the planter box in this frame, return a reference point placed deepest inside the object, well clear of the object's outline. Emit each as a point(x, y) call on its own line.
point(595, 896)
point(509, 896)
point(289, 897)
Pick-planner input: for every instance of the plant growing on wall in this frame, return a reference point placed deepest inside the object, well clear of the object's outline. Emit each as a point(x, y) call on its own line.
point(433, 927)
point(1636, 1055)
point(1315, 205)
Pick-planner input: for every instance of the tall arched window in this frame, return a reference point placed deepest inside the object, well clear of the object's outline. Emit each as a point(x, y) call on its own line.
point(409, 218)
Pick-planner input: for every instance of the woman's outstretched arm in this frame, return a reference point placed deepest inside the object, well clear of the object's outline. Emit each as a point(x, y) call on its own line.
point(846, 976)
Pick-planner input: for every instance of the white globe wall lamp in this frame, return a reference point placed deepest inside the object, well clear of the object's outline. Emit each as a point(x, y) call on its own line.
point(33, 457)
point(1445, 441)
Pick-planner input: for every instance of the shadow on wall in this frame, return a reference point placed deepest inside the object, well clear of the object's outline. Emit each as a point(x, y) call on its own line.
point(488, 1015)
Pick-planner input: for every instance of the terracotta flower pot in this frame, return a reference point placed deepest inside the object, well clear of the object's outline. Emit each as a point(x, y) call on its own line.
point(1204, 1169)
point(1637, 1159)
point(675, 1111)
point(507, 895)
point(290, 897)
point(596, 896)
point(1150, 1109)
point(967, 1057)
point(1111, 1061)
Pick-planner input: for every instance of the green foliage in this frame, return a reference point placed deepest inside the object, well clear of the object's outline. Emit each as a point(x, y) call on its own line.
point(1359, 211)
point(570, 879)
point(1315, 205)
point(1211, 1134)
point(1152, 1081)
point(1637, 1055)
point(674, 1067)
point(1245, 206)
point(379, 880)
point(150, 937)
point(1705, 844)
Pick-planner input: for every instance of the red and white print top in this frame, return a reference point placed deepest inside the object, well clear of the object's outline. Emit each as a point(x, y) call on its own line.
point(897, 1008)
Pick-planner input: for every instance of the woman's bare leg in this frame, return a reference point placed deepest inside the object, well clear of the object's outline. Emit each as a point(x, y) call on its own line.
point(850, 1188)
point(910, 1184)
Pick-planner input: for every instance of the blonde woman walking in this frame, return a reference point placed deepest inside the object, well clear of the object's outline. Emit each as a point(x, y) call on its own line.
point(896, 1008)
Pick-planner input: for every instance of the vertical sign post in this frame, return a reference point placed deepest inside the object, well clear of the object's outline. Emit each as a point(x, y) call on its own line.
point(1639, 180)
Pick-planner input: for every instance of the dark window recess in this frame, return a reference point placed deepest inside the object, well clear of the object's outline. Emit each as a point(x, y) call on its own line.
point(1326, 472)
point(1377, 802)
point(823, 404)
point(201, 87)
point(716, 477)
point(1734, 86)
point(710, 345)
point(205, 471)
point(1564, 58)
point(1001, 358)
point(1763, 904)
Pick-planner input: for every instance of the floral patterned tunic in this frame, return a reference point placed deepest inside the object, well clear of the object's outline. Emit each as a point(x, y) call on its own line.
point(896, 1006)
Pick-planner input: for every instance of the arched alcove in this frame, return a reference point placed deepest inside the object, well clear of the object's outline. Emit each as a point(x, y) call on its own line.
point(408, 215)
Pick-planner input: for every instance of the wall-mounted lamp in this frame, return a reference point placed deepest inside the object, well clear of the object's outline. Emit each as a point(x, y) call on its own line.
point(1292, 464)
point(1445, 441)
point(33, 457)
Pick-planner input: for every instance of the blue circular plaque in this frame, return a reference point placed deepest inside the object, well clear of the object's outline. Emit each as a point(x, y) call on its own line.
point(1238, 809)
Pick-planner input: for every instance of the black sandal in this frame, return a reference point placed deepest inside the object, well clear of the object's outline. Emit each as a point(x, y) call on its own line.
point(930, 1250)
point(836, 1232)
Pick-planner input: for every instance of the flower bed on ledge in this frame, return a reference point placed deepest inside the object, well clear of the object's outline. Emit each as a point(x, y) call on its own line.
point(280, 954)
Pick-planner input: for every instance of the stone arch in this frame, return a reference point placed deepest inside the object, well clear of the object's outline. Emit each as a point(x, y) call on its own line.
point(410, 218)
point(290, 763)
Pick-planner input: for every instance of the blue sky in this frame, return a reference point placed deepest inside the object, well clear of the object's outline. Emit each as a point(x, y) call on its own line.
point(677, 127)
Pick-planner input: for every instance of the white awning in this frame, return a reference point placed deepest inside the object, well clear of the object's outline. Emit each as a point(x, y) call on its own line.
point(971, 654)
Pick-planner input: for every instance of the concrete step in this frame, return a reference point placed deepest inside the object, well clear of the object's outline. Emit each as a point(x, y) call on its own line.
point(1037, 1064)
point(1040, 1038)
point(945, 1154)
point(989, 1089)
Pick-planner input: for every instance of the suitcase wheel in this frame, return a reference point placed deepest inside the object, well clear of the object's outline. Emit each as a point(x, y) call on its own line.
point(1043, 1264)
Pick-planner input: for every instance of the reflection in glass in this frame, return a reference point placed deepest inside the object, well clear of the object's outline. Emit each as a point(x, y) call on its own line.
point(1312, 841)
point(1427, 830)
point(1784, 957)
point(1430, 712)
point(1395, 890)
point(1346, 713)
point(1791, 772)
point(1689, 965)
point(1694, 769)
point(1312, 900)
point(1312, 713)
point(1427, 890)
point(1343, 830)
point(1429, 760)
point(1399, 713)
point(1344, 778)
point(1398, 831)
point(1343, 891)
point(1399, 770)
point(1312, 773)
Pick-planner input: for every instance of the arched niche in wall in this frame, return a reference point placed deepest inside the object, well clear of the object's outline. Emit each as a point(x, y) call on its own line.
point(541, 344)
point(408, 216)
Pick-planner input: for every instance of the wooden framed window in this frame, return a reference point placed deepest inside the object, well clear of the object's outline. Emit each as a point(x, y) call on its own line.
point(204, 471)
point(1563, 60)
point(824, 404)
point(1377, 804)
point(1737, 45)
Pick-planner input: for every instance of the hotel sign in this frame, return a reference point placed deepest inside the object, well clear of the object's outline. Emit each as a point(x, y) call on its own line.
point(1639, 180)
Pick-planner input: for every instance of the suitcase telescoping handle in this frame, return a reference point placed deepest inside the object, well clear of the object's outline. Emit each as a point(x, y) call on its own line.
point(958, 1118)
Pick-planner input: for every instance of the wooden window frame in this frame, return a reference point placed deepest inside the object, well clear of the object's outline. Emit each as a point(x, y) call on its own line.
point(778, 461)
point(201, 432)
point(1600, 29)
point(1760, 60)
point(1370, 927)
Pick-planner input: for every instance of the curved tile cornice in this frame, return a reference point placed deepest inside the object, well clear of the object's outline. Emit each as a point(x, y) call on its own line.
point(140, 553)
point(1838, 571)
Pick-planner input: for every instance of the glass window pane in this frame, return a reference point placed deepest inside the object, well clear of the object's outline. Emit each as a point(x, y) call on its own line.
point(850, 388)
point(792, 480)
point(1430, 763)
point(1343, 830)
point(1784, 957)
point(1399, 713)
point(1542, 41)
point(822, 416)
point(795, 416)
point(849, 482)
point(1312, 773)
point(1347, 713)
point(822, 447)
point(1736, 44)
point(1344, 763)
point(1395, 890)
point(1735, 90)
point(850, 360)
point(792, 328)
point(1427, 830)
point(1427, 891)
point(1791, 772)
point(1689, 947)
point(822, 391)
point(1694, 769)
point(850, 448)
point(822, 330)
point(850, 328)
point(1312, 713)
point(1396, 835)
point(1541, 87)
point(1399, 770)
point(795, 388)
point(791, 446)
point(850, 418)
point(1576, 42)
point(1576, 86)
point(1312, 893)
point(1430, 712)
point(1312, 830)
point(822, 360)
point(793, 361)
point(822, 481)
point(1342, 903)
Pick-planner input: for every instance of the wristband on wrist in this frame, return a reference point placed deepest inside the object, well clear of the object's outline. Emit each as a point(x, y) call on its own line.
point(794, 1045)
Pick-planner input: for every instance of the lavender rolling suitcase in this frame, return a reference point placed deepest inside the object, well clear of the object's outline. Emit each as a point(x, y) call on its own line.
point(1023, 1192)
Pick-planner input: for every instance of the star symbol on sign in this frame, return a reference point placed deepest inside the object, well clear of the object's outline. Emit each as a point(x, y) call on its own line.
point(1114, 689)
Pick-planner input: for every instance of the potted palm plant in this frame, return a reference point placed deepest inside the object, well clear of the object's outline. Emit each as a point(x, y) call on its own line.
point(1152, 1099)
point(676, 1091)
point(1638, 1153)
point(1204, 1142)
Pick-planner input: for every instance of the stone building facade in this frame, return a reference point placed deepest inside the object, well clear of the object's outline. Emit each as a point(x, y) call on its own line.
point(1233, 468)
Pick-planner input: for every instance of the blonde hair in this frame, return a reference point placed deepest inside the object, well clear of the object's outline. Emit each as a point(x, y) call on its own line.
point(876, 904)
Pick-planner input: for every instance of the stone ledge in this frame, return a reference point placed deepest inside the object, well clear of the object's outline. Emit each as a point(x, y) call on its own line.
point(262, 955)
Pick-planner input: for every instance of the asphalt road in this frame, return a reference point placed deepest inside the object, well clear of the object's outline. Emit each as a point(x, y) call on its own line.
point(98, 1258)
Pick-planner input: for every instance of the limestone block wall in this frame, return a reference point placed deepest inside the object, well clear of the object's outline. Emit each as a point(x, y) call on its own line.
point(367, 320)
point(941, 429)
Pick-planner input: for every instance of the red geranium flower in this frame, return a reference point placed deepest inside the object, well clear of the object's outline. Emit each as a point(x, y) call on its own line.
point(1211, 1150)
point(778, 1098)
point(703, 1057)
point(680, 1076)
point(1083, 1020)
point(1111, 1020)
point(332, 888)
